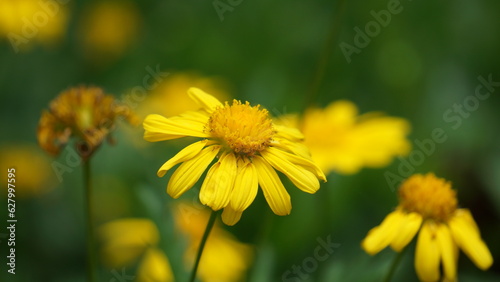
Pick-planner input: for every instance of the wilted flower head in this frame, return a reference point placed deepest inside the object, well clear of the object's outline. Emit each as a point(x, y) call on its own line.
point(82, 112)
point(249, 147)
point(344, 142)
point(428, 204)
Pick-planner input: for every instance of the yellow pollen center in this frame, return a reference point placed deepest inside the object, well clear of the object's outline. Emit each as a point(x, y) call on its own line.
point(429, 196)
point(243, 128)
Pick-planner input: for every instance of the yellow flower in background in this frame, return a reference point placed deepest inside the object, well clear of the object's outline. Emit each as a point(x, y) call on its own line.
point(168, 97)
point(83, 112)
point(34, 176)
point(124, 241)
point(429, 205)
point(23, 22)
point(154, 267)
point(344, 142)
point(224, 258)
point(249, 147)
point(109, 29)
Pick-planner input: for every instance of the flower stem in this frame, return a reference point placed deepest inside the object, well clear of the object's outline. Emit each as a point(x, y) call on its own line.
point(210, 224)
point(394, 265)
point(326, 53)
point(90, 227)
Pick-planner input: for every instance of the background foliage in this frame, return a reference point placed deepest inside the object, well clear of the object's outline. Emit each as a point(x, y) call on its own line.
point(426, 60)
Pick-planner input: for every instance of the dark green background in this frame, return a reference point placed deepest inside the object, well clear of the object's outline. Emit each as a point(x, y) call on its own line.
point(426, 60)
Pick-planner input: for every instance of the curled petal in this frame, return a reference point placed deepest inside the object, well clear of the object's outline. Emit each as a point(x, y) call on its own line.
point(184, 155)
point(205, 100)
point(381, 236)
point(218, 185)
point(427, 253)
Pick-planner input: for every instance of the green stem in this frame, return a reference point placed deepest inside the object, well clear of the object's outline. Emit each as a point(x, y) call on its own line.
point(326, 53)
point(90, 227)
point(394, 265)
point(210, 224)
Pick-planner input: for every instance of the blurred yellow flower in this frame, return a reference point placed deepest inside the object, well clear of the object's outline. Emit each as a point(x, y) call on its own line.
point(154, 267)
point(429, 204)
point(168, 97)
point(344, 142)
point(109, 28)
point(249, 146)
point(34, 176)
point(83, 112)
point(224, 259)
point(124, 241)
point(24, 21)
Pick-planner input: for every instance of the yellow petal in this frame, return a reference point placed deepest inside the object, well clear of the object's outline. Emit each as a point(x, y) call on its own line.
point(216, 189)
point(275, 193)
point(427, 253)
point(245, 187)
point(302, 178)
point(159, 128)
point(288, 132)
point(154, 267)
point(297, 160)
point(381, 236)
point(230, 216)
point(446, 248)
point(184, 155)
point(469, 240)
point(186, 175)
point(409, 227)
point(205, 100)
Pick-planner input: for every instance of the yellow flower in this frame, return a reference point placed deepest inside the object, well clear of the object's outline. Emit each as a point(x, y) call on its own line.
point(108, 29)
point(344, 142)
point(154, 267)
point(428, 204)
point(32, 169)
point(127, 240)
point(168, 97)
point(23, 21)
point(83, 112)
point(224, 258)
point(249, 149)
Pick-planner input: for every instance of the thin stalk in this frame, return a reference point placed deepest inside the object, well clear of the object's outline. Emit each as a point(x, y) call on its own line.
point(210, 224)
point(90, 227)
point(395, 265)
point(326, 53)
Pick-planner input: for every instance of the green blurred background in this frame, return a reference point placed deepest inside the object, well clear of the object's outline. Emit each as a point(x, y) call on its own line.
point(426, 60)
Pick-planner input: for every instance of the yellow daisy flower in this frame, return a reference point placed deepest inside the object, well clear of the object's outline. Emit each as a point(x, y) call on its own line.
point(84, 112)
point(24, 21)
point(429, 205)
point(168, 97)
point(224, 257)
point(249, 147)
point(34, 176)
point(341, 140)
point(108, 29)
point(126, 240)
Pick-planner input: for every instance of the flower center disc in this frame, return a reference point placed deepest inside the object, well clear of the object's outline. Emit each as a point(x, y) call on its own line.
point(243, 128)
point(429, 196)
